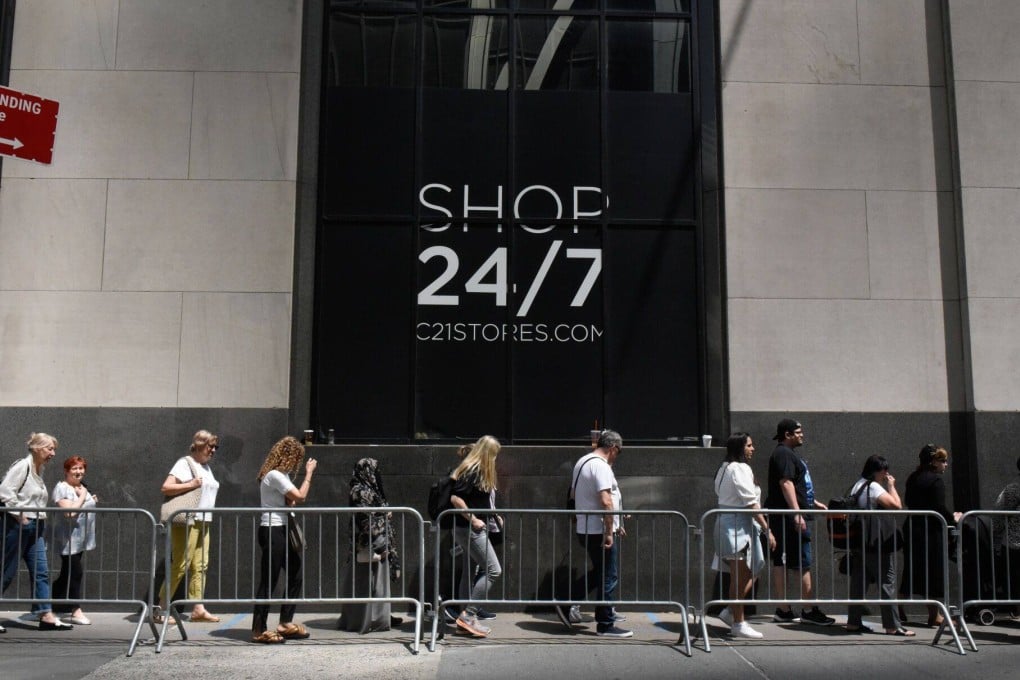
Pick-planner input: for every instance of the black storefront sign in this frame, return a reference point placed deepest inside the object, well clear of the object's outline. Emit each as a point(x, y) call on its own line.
point(510, 261)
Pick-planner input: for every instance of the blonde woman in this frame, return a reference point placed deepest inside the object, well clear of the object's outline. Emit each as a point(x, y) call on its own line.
point(277, 492)
point(23, 491)
point(190, 542)
point(473, 482)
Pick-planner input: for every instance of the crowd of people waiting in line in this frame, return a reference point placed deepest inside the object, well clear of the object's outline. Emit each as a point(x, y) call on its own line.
point(744, 542)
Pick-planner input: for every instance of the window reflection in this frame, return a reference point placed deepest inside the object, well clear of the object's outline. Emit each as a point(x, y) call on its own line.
point(649, 55)
point(371, 4)
point(558, 5)
point(466, 4)
point(557, 53)
point(371, 50)
point(468, 52)
point(650, 5)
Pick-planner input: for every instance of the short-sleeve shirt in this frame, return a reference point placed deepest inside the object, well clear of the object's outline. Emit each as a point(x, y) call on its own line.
point(210, 487)
point(868, 500)
point(785, 464)
point(273, 492)
point(73, 536)
point(593, 475)
point(735, 487)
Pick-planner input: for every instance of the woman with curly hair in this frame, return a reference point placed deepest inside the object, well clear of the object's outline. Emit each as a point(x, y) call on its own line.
point(277, 491)
point(473, 482)
point(375, 561)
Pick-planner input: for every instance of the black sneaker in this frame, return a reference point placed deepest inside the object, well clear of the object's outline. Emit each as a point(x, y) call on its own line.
point(563, 616)
point(484, 614)
point(816, 617)
point(784, 616)
point(613, 632)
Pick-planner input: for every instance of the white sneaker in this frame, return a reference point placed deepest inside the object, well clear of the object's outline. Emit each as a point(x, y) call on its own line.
point(575, 614)
point(744, 630)
point(726, 616)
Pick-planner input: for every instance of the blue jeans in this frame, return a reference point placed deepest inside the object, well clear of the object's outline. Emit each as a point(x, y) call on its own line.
point(29, 539)
point(605, 574)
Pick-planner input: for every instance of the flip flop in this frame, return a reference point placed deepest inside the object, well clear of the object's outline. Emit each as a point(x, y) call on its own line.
point(268, 637)
point(205, 616)
point(293, 631)
point(901, 632)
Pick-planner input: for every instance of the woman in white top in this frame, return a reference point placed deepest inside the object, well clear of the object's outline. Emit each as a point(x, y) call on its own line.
point(277, 492)
point(73, 534)
point(190, 542)
point(23, 492)
point(875, 490)
point(738, 549)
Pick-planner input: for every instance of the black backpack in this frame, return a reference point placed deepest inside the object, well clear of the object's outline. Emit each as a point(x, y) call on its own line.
point(439, 496)
point(845, 530)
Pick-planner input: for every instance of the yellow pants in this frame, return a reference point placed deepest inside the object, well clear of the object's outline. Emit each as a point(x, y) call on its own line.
point(190, 554)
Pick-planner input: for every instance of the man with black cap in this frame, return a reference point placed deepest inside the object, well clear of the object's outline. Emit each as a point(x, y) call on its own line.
point(790, 488)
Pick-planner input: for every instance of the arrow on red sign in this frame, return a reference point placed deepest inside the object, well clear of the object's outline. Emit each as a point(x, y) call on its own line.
point(28, 124)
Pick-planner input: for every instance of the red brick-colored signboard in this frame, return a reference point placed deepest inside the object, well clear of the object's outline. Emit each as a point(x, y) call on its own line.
point(28, 125)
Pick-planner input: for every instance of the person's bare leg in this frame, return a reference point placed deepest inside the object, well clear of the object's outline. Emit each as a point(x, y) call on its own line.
point(740, 583)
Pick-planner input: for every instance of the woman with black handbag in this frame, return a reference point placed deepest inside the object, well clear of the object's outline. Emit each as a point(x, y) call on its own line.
point(279, 551)
point(874, 561)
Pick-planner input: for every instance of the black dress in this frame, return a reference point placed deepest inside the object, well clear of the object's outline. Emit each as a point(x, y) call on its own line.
point(922, 564)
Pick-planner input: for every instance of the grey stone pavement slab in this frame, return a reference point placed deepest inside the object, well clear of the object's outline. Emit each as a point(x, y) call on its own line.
point(522, 646)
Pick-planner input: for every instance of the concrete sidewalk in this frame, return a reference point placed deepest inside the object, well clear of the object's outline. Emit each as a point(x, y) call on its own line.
point(521, 646)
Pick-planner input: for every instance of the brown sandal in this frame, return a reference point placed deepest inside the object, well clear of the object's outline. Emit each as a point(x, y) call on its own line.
point(268, 637)
point(293, 631)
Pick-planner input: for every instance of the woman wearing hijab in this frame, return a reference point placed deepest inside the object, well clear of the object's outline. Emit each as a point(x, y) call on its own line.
point(376, 561)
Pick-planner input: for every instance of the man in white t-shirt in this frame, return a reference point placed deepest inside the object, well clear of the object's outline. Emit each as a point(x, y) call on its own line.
point(595, 490)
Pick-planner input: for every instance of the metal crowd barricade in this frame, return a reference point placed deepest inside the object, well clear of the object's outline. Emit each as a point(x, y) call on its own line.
point(117, 572)
point(654, 563)
point(922, 544)
point(333, 572)
point(988, 564)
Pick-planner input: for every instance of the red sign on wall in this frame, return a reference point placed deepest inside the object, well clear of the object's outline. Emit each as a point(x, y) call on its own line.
point(28, 125)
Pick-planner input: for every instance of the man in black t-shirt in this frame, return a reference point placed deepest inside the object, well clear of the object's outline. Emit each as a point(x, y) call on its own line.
point(790, 488)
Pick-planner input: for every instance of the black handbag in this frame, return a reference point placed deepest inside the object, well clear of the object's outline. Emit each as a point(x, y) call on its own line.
point(295, 534)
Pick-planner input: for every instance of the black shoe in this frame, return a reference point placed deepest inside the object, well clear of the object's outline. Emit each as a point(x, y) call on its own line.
point(561, 614)
point(784, 616)
point(56, 625)
point(484, 614)
point(613, 632)
point(816, 617)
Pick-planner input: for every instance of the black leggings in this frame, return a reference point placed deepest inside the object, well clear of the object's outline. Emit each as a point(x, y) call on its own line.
point(68, 584)
point(277, 555)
